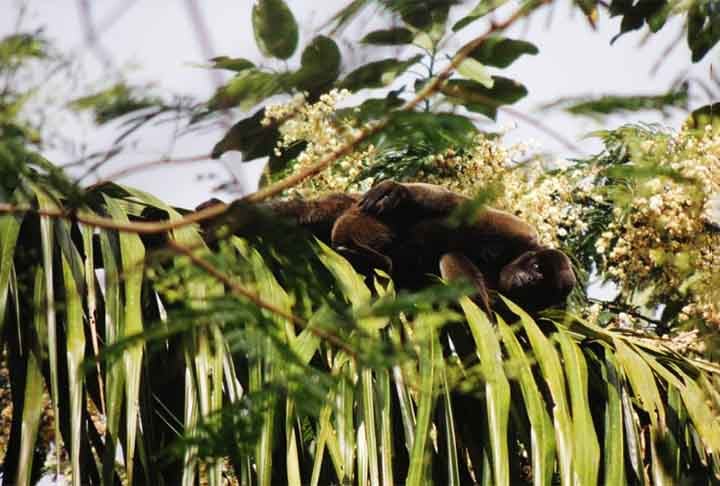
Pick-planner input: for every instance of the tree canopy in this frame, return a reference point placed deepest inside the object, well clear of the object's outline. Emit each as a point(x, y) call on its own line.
point(146, 343)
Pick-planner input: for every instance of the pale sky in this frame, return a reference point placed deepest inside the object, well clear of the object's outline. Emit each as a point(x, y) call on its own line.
point(156, 41)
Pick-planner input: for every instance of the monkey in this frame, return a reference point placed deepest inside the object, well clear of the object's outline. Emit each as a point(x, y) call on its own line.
point(404, 227)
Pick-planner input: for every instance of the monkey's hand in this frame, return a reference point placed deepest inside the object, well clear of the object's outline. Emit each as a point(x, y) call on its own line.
point(385, 198)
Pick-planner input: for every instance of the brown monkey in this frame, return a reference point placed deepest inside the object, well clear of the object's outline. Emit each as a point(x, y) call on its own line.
point(404, 227)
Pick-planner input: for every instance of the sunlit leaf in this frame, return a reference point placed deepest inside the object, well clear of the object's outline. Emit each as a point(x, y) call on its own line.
point(586, 448)
point(497, 388)
point(132, 253)
point(75, 343)
point(276, 32)
point(475, 71)
point(554, 376)
point(542, 445)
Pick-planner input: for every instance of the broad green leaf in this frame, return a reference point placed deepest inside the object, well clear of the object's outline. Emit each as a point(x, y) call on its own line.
point(542, 444)
point(250, 137)
point(236, 64)
point(389, 37)
point(482, 8)
point(497, 388)
point(476, 71)
point(132, 252)
point(476, 97)
point(34, 394)
point(586, 455)
point(248, 88)
point(276, 32)
point(427, 16)
point(703, 29)
point(319, 65)
point(501, 51)
point(377, 74)
point(636, 14)
point(553, 374)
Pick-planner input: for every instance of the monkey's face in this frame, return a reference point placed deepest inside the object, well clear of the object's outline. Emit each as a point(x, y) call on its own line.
point(538, 279)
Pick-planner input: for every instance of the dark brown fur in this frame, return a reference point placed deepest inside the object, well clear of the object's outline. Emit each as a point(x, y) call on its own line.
point(402, 228)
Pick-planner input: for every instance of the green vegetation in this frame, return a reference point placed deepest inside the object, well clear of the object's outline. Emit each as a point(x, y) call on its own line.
point(152, 347)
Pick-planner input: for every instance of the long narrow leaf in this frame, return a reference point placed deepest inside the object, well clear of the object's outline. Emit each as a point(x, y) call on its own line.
point(132, 253)
point(552, 372)
point(585, 442)
point(497, 388)
point(34, 389)
point(542, 440)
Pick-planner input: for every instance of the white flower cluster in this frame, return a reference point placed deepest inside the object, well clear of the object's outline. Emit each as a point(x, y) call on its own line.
point(317, 124)
point(660, 239)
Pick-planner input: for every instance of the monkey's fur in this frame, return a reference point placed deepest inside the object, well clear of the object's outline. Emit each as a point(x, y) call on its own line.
point(402, 228)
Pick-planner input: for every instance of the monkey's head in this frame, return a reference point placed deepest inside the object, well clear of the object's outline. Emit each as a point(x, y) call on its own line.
point(538, 279)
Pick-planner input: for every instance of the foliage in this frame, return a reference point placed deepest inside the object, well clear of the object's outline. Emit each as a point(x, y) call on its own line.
point(173, 349)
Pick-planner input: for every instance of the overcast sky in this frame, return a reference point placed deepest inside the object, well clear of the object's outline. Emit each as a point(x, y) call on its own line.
point(160, 42)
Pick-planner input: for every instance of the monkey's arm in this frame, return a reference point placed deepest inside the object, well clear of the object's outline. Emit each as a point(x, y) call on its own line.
point(455, 267)
point(390, 198)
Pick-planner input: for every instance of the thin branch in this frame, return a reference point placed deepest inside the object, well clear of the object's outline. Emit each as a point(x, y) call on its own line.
point(255, 299)
point(139, 227)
